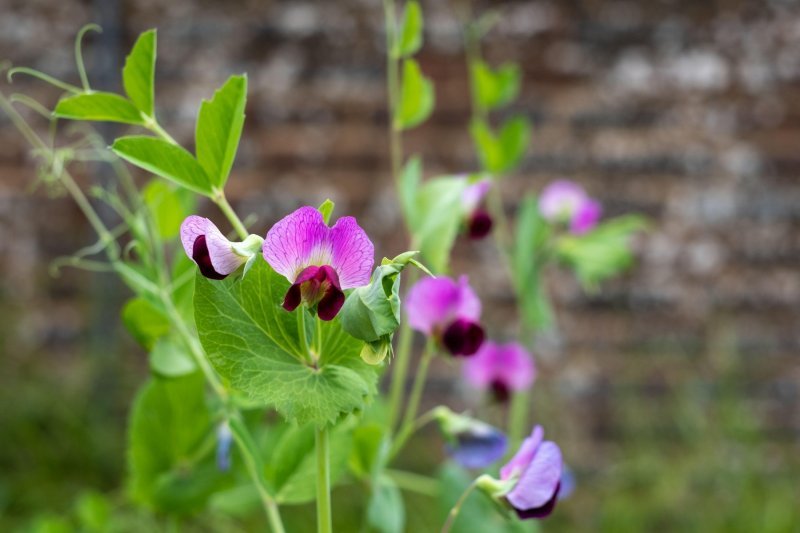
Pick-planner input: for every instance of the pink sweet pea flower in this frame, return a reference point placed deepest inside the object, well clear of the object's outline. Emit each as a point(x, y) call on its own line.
point(478, 220)
point(501, 368)
point(447, 310)
point(537, 468)
point(320, 262)
point(205, 244)
point(564, 201)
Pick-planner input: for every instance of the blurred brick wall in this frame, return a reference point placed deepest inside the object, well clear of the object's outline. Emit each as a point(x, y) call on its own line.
point(686, 111)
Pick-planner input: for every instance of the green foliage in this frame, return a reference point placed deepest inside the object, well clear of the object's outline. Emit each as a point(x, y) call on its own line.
point(495, 88)
point(386, 511)
point(433, 225)
point(164, 159)
point(417, 97)
point(410, 179)
point(170, 358)
point(602, 252)
point(500, 154)
point(144, 321)
point(219, 127)
point(139, 72)
point(168, 206)
point(530, 256)
point(254, 344)
point(168, 423)
point(93, 511)
point(98, 106)
point(326, 210)
point(409, 39)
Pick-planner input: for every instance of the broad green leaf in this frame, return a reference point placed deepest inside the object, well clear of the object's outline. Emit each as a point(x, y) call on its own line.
point(168, 423)
point(219, 127)
point(367, 442)
point(410, 179)
point(164, 159)
point(254, 345)
point(409, 39)
point(170, 358)
point(145, 322)
point(529, 258)
point(169, 206)
point(603, 252)
point(417, 97)
point(438, 208)
point(240, 501)
point(501, 153)
point(293, 464)
point(139, 72)
point(99, 106)
point(495, 88)
point(386, 512)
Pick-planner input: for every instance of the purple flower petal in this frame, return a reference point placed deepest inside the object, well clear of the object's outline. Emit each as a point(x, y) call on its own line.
point(316, 286)
point(539, 482)
point(505, 366)
point(560, 200)
point(544, 510)
point(353, 253)
point(474, 194)
point(208, 247)
point(523, 457)
point(586, 216)
point(297, 241)
point(478, 447)
point(433, 304)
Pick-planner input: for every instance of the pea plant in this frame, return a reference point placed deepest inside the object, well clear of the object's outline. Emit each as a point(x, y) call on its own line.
point(266, 346)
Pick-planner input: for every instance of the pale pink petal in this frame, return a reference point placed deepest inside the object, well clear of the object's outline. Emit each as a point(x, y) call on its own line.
point(469, 305)
point(432, 303)
point(560, 199)
point(223, 258)
point(479, 370)
point(586, 216)
point(353, 253)
point(539, 481)
point(297, 241)
point(191, 228)
point(524, 455)
point(514, 366)
point(474, 193)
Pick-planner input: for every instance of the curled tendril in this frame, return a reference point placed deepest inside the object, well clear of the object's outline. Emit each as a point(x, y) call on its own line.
point(79, 53)
point(55, 82)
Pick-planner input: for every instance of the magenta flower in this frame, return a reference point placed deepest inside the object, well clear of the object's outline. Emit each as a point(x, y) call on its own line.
point(501, 368)
point(536, 467)
point(216, 256)
point(564, 201)
point(478, 220)
point(448, 311)
point(320, 262)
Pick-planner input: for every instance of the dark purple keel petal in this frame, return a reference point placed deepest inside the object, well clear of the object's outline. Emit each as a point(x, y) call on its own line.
point(479, 225)
point(330, 304)
point(540, 512)
point(463, 337)
point(500, 391)
point(201, 256)
point(316, 285)
point(292, 298)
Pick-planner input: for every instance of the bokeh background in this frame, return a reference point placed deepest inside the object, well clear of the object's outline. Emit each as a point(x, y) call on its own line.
point(674, 391)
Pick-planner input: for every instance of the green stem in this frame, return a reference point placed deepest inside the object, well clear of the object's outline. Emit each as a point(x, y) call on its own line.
point(273, 515)
point(416, 391)
point(151, 124)
point(230, 214)
point(400, 371)
point(453, 514)
point(393, 89)
point(412, 482)
point(409, 430)
point(518, 418)
point(324, 523)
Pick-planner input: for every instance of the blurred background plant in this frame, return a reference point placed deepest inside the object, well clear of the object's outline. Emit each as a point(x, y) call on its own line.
point(673, 391)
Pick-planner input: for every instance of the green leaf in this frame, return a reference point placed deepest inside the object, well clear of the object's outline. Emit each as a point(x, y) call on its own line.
point(98, 106)
point(495, 89)
point(145, 322)
point(164, 159)
point(501, 153)
point(169, 206)
point(409, 39)
point(326, 209)
point(386, 512)
point(438, 208)
point(364, 454)
point(139, 72)
point(169, 358)
point(603, 252)
point(293, 464)
point(219, 127)
point(254, 344)
point(168, 423)
point(93, 511)
point(417, 97)
point(529, 259)
point(410, 179)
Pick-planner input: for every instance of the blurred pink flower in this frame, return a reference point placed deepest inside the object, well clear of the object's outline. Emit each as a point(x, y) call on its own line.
point(564, 201)
point(501, 368)
point(320, 262)
point(478, 220)
point(447, 310)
